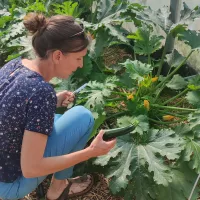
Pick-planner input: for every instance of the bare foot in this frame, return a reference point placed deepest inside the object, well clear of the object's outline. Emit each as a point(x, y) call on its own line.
point(57, 187)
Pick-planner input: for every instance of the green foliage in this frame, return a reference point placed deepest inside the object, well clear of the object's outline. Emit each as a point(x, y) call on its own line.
point(69, 8)
point(177, 83)
point(146, 43)
point(159, 160)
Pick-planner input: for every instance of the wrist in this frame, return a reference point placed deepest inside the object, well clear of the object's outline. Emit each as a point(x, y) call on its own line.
point(89, 152)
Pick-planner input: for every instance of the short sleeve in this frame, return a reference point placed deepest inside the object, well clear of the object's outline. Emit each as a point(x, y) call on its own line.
point(41, 108)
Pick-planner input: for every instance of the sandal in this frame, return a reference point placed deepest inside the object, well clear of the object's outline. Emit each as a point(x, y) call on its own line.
point(65, 194)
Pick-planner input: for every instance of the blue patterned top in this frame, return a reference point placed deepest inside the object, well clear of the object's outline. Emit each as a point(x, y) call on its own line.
point(27, 102)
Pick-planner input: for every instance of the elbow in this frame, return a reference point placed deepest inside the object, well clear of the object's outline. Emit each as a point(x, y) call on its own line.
point(28, 172)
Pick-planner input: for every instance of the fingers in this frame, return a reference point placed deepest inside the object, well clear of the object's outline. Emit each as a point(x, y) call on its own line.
point(69, 98)
point(100, 135)
point(111, 143)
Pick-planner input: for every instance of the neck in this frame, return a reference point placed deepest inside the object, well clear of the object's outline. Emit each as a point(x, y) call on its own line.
point(43, 67)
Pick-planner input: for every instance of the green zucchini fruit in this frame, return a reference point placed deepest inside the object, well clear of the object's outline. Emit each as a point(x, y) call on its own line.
point(116, 132)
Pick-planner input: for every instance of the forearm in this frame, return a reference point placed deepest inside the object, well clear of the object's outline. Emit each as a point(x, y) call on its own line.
point(51, 165)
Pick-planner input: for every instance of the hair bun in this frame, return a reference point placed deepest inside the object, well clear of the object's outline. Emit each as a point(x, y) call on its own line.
point(34, 22)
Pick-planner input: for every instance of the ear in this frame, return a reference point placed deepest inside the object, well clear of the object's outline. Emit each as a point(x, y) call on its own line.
point(57, 56)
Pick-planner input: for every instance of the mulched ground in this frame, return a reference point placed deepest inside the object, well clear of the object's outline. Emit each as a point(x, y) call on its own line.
point(100, 191)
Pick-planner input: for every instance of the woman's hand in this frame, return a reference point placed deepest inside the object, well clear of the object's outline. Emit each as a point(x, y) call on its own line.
point(64, 98)
point(100, 147)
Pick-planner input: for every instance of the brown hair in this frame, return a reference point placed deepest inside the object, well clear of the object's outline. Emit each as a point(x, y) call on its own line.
point(58, 32)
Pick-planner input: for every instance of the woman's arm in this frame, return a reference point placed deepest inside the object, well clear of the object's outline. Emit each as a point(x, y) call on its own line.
point(33, 163)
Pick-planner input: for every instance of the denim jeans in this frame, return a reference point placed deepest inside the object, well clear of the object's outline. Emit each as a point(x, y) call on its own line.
point(70, 133)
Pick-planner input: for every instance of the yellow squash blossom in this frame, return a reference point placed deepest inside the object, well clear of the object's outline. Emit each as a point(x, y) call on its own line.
point(168, 117)
point(146, 104)
point(130, 97)
point(154, 79)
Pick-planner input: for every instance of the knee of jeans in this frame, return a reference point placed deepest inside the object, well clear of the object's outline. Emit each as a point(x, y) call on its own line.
point(85, 115)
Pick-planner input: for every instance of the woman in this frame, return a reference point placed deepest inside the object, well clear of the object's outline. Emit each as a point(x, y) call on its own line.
point(33, 143)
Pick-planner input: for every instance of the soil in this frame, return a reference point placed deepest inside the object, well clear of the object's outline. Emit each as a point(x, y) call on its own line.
point(99, 191)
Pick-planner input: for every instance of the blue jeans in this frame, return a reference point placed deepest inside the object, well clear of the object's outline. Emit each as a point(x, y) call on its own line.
point(70, 133)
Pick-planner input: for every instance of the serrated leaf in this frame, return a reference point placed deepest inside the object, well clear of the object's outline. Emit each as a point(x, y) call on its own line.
point(64, 84)
point(159, 17)
point(194, 83)
point(69, 8)
point(149, 152)
point(96, 92)
point(175, 58)
point(180, 187)
point(192, 154)
point(193, 98)
point(24, 42)
point(136, 69)
point(140, 122)
point(192, 38)
point(177, 83)
point(146, 43)
point(188, 15)
point(17, 29)
point(194, 121)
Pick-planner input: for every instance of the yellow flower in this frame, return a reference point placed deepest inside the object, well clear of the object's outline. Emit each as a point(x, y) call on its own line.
point(154, 79)
point(168, 117)
point(146, 104)
point(130, 97)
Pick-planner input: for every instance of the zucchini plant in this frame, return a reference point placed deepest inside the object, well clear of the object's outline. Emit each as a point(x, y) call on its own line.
point(159, 159)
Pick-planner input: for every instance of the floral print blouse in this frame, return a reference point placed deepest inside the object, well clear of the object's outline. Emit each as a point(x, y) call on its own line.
point(27, 102)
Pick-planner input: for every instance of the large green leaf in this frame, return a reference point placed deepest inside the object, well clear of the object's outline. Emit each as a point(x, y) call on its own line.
point(177, 83)
point(140, 122)
point(182, 182)
point(69, 8)
point(194, 83)
point(25, 43)
point(96, 92)
point(149, 151)
point(188, 15)
point(192, 154)
point(192, 38)
point(161, 18)
point(136, 69)
point(64, 84)
point(193, 98)
point(146, 43)
point(107, 15)
point(194, 121)
point(175, 58)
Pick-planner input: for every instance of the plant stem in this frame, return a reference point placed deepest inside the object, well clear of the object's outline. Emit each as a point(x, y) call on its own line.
point(149, 59)
point(179, 102)
point(117, 114)
point(175, 97)
point(120, 93)
point(158, 94)
point(174, 71)
point(162, 58)
point(173, 114)
point(116, 99)
point(172, 108)
point(164, 123)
